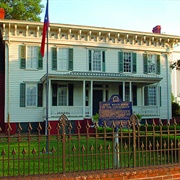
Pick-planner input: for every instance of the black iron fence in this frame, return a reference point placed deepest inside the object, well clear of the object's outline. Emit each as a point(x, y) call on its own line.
point(132, 146)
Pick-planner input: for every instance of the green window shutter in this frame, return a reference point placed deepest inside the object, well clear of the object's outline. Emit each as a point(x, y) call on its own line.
point(121, 91)
point(103, 62)
point(70, 60)
point(158, 68)
point(134, 93)
point(54, 58)
point(90, 60)
point(40, 59)
point(70, 87)
point(40, 95)
point(146, 96)
point(54, 94)
point(22, 94)
point(121, 62)
point(134, 62)
point(145, 63)
point(22, 57)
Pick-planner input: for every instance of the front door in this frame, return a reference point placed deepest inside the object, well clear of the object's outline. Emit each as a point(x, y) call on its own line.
point(97, 97)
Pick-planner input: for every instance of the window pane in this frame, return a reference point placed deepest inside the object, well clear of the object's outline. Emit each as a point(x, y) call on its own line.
point(151, 63)
point(152, 95)
point(62, 95)
point(31, 95)
point(127, 62)
point(32, 57)
point(62, 59)
point(96, 60)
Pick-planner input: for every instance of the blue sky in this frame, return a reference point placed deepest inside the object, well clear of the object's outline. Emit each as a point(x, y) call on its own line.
point(136, 15)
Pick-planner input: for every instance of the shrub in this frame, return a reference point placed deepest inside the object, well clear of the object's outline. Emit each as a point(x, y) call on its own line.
point(175, 109)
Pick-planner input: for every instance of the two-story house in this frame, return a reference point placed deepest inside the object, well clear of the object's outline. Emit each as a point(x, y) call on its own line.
point(86, 65)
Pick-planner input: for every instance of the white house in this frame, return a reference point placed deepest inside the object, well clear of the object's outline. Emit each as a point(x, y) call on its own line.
point(86, 65)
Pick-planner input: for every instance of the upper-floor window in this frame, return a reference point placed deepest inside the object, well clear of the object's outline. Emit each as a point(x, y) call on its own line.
point(31, 95)
point(62, 59)
point(96, 60)
point(30, 57)
point(151, 63)
point(127, 62)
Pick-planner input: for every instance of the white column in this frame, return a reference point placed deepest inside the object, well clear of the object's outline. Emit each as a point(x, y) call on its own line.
point(84, 97)
point(124, 88)
point(130, 91)
point(49, 99)
point(142, 95)
point(91, 98)
point(104, 92)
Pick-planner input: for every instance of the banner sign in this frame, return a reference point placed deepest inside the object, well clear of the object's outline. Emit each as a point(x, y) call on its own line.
point(114, 110)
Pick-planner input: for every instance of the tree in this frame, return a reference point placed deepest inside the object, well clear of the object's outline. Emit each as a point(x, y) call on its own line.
point(28, 10)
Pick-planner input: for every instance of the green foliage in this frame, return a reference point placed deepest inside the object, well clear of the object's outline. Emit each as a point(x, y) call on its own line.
point(96, 117)
point(28, 10)
point(172, 97)
point(175, 109)
point(157, 128)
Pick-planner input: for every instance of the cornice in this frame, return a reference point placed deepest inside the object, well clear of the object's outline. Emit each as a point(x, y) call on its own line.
point(78, 33)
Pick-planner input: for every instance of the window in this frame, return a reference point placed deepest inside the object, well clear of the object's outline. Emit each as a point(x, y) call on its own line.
point(96, 60)
point(62, 95)
point(127, 62)
point(62, 59)
point(151, 63)
point(150, 95)
point(30, 57)
point(31, 95)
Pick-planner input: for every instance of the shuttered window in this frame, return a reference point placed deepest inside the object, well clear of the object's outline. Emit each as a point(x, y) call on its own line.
point(152, 64)
point(31, 95)
point(127, 62)
point(97, 60)
point(62, 59)
point(30, 57)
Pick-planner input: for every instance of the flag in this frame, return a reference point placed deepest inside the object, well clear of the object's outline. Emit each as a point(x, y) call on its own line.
point(45, 29)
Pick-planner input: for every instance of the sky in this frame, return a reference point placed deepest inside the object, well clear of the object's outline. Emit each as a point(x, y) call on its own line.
point(135, 15)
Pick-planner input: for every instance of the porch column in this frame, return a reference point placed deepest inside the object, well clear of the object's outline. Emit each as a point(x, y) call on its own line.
point(49, 99)
point(142, 95)
point(130, 91)
point(91, 98)
point(124, 88)
point(104, 92)
point(84, 98)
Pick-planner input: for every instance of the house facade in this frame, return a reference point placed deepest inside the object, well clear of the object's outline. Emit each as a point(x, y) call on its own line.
point(86, 65)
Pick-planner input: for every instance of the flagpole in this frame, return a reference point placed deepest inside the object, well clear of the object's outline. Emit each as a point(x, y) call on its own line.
point(47, 79)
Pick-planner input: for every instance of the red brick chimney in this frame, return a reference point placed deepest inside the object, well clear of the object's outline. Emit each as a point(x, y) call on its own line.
point(157, 29)
point(2, 13)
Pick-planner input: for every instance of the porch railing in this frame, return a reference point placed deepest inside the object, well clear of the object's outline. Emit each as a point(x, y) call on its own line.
point(146, 110)
point(71, 111)
point(99, 148)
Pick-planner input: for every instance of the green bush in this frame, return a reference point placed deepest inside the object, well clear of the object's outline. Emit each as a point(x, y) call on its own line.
point(175, 109)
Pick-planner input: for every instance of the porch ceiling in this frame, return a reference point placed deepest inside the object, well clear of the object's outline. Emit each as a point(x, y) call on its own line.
point(96, 76)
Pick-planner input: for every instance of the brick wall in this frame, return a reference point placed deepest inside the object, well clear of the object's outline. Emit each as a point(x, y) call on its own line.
point(149, 173)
